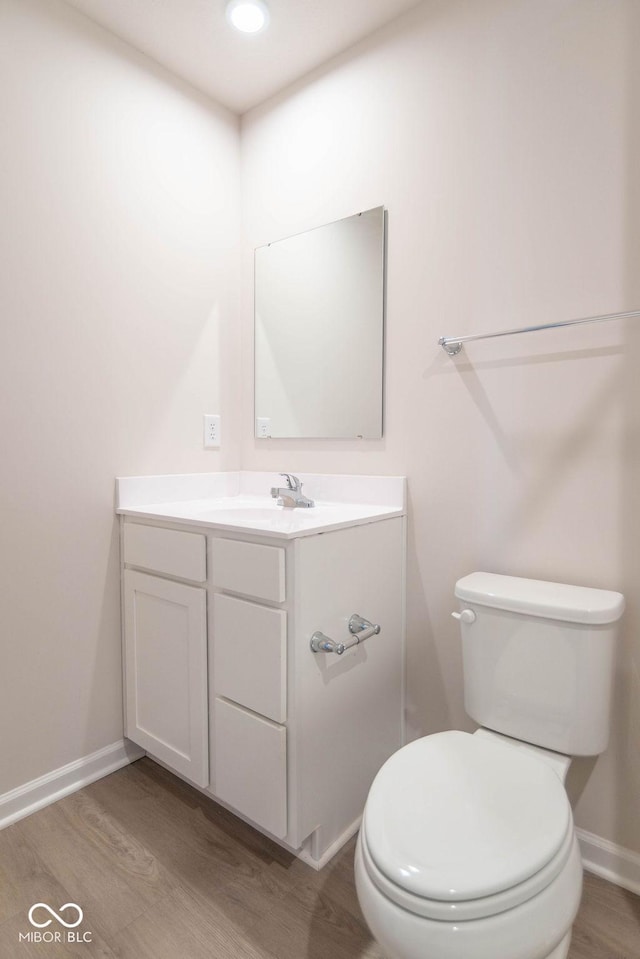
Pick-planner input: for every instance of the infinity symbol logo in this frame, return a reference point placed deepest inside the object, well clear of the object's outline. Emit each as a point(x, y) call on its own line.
point(47, 922)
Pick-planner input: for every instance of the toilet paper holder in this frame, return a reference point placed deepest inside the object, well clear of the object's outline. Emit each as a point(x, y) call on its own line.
point(359, 628)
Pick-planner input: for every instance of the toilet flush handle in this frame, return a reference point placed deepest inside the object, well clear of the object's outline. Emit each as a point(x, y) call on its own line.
point(466, 616)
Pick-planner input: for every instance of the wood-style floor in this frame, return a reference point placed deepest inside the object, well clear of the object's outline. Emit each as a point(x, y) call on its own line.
point(163, 873)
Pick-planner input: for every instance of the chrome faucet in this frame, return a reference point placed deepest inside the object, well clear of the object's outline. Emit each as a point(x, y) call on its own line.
point(291, 496)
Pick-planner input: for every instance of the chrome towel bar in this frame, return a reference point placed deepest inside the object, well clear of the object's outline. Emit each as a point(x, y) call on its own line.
point(359, 628)
point(453, 344)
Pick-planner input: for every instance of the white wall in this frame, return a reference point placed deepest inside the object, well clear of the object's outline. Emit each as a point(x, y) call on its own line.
point(501, 136)
point(118, 260)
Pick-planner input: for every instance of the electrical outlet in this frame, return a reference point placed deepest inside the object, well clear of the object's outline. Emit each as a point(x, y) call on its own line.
point(211, 431)
point(263, 427)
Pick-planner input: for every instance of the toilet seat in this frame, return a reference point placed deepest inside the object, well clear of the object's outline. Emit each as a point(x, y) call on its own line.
point(457, 827)
point(462, 911)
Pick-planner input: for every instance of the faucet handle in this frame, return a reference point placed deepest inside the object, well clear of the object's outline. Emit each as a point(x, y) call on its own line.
point(293, 482)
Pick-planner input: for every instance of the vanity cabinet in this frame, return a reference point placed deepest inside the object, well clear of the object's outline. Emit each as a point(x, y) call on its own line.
point(223, 687)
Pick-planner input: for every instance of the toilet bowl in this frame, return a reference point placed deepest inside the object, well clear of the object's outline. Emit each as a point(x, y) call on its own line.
point(467, 847)
point(467, 851)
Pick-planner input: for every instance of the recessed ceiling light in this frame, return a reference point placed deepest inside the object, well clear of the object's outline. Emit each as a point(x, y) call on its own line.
point(249, 16)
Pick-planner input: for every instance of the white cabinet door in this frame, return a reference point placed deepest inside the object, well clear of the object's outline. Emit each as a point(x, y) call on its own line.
point(166, 672)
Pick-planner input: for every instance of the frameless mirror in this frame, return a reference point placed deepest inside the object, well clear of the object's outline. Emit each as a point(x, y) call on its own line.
point(319, 328)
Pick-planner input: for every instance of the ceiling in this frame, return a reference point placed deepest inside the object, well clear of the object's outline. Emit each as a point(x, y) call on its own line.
point(193, 39)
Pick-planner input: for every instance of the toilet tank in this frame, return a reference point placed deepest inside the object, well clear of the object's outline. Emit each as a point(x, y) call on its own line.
point(538, 659)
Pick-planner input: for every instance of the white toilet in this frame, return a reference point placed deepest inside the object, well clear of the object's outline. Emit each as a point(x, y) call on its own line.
point(467, 847)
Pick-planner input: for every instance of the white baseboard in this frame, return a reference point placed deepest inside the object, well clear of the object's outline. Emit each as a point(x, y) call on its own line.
point(38, 793)
point(612, 862)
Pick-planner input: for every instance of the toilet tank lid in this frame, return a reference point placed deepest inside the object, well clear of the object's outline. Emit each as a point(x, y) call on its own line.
point(533, 597)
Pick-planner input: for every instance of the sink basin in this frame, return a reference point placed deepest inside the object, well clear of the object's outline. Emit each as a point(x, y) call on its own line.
point(260, 516)
point(247, 514)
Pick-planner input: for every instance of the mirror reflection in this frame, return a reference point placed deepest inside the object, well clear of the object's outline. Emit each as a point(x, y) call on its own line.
point(319, 326)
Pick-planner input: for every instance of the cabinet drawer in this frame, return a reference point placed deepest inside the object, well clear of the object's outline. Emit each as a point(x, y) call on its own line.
point(248, 568)
point(251, 766)
point(249, 655)
point(168, 551)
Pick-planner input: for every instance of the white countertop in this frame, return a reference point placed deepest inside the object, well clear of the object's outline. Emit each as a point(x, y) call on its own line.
point(228, 501)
